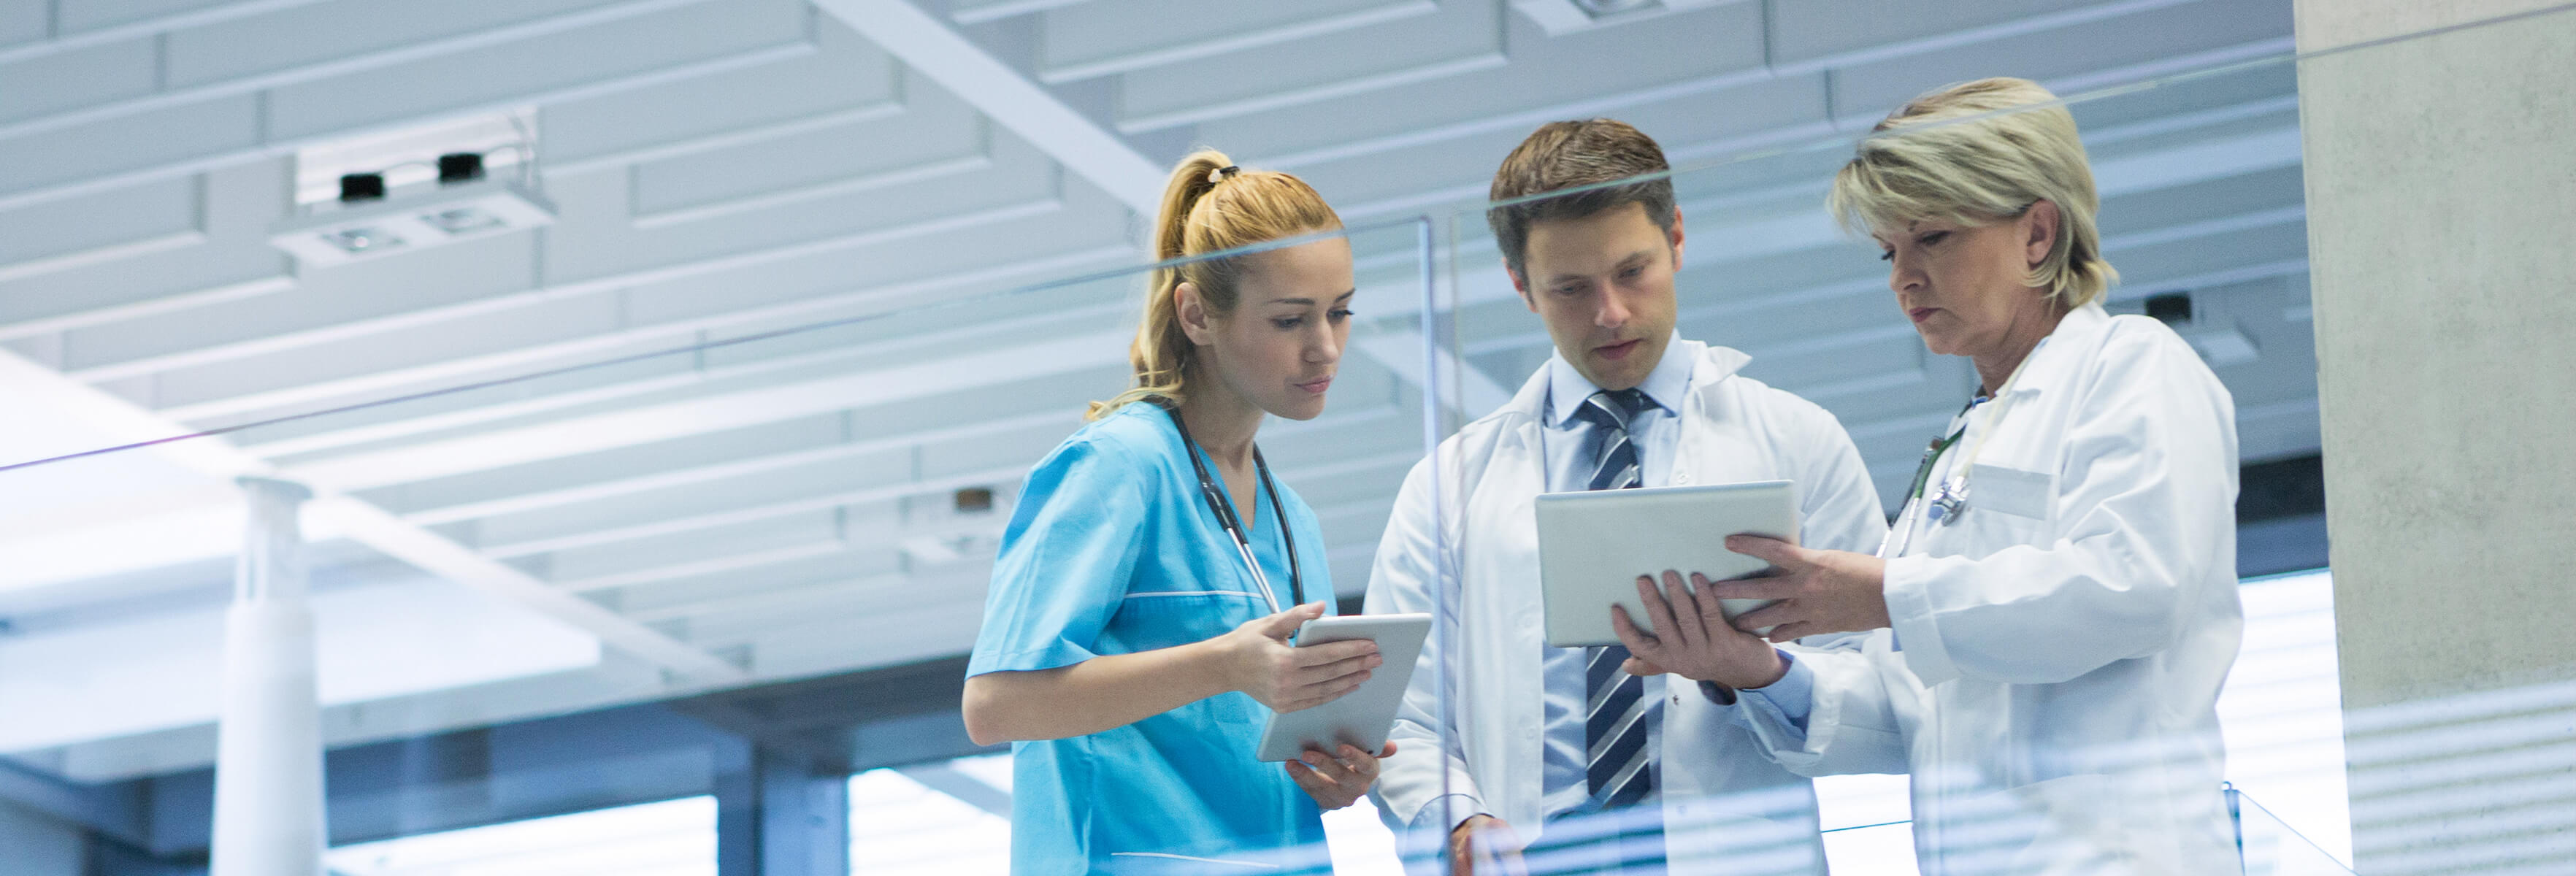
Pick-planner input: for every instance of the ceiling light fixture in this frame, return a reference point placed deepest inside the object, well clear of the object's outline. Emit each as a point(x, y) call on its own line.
point(376, 225)
point(414, 188)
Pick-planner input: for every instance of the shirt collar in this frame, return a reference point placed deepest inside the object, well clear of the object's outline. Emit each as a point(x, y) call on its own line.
point(1567, 388)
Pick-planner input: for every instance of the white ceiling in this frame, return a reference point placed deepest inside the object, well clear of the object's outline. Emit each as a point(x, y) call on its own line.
point(728, 168)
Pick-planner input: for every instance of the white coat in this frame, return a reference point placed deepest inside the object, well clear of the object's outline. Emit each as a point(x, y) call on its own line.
point(1722, 801)
point(2052, 675)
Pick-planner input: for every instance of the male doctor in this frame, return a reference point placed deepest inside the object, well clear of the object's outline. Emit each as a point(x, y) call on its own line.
point(1556, 752)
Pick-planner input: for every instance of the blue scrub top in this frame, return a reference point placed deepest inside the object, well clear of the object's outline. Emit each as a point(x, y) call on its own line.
point(1113, 550)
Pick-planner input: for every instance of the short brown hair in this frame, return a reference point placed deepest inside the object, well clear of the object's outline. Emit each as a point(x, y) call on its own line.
point(1566, 155)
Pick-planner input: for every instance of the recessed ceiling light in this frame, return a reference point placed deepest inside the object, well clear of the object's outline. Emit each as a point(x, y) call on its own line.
point(360, 241)
point(1598, 8)
point(463, 220)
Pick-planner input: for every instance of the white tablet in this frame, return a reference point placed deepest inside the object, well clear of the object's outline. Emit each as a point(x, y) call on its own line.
point(1593, 545)
point(1362, 717)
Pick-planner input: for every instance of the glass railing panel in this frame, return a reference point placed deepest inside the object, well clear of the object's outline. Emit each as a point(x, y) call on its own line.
point(776, 500)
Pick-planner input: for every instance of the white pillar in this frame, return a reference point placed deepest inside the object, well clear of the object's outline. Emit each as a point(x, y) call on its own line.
point(268, 759)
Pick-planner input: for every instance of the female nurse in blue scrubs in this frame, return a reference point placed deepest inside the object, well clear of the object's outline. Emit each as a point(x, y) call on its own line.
point(1136, 635)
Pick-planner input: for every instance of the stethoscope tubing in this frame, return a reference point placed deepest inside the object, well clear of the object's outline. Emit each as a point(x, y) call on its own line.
point(1225, 518)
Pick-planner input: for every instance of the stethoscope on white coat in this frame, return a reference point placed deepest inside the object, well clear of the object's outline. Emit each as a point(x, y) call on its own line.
point(1951, 500)
point(1233, 525)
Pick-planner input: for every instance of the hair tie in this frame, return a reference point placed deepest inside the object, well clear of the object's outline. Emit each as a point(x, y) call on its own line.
point(1219, 174)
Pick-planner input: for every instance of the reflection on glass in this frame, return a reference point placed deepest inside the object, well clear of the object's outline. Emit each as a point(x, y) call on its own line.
point(706, 499)
point(1820, 324)
point(900, 826)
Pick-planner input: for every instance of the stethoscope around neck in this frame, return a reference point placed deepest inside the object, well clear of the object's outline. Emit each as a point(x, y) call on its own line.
point(1225, 516)
point(1949, 501)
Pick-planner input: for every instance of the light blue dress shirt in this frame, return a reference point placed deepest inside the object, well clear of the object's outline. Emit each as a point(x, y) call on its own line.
point(1112, 550)
point(1791, 698)
point(1573, 446)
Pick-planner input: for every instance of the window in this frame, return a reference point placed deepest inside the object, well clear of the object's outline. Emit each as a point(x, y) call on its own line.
point(670, 838)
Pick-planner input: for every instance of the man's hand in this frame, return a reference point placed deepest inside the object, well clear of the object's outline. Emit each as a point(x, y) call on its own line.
point(1336, 780)
point(1483, 844)
point(1692, 638)
point(1818, 591)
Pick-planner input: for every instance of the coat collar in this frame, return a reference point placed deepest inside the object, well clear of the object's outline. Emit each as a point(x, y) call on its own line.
point(2079, 331)
point(1567, 388)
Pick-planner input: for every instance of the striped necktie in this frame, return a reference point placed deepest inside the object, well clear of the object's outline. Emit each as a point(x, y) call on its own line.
point(1617, 712)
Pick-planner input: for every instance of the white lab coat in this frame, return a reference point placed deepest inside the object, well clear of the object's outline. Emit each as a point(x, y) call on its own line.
point(2064, 639)
point(1723, 803)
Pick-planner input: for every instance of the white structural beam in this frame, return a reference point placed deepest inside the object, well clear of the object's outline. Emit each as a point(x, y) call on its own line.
point(362, 522)
point(268, 750)
point(1012, 100)
point(933, 49)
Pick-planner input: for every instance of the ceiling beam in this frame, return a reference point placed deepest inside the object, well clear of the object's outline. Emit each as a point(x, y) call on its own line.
point(660, 479)
point(649, 423)
point(1027, 108)
point(1613, 104)
point(676, 333)
point(45, 194)
point(403, 53)
point(331, 510)
point(369, 326)
point(935, 50)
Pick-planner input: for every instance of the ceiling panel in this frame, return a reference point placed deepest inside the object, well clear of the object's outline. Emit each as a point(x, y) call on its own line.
point(299, 36)
point(76, 78)
point(23, 20)
point(691, 33)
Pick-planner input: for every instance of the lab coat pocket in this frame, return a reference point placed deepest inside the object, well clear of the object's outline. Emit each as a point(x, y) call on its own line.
point(2011, 491)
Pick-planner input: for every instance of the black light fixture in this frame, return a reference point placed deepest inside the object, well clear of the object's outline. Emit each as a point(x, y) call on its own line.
point(457, 167)
point(2170, 308)
point(356, 187)
point(974, 500)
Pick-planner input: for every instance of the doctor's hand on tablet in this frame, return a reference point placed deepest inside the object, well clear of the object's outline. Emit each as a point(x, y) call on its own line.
point(1339, 779)
point(1819, 591)
point(1694, 640)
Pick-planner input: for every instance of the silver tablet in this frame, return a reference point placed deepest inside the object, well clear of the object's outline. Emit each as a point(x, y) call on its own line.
point(1362, 717)
point(1593, 545)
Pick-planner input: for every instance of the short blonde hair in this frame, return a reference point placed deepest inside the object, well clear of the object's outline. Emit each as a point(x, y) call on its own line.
point(1973, 154)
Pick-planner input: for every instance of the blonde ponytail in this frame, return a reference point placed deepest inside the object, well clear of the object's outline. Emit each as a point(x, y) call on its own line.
point(1209, 206)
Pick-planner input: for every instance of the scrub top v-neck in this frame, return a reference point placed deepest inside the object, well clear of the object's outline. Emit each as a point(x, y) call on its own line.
point(1113, 550)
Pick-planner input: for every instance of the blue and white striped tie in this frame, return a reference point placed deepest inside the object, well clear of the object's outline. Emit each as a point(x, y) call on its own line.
point(1617, 712)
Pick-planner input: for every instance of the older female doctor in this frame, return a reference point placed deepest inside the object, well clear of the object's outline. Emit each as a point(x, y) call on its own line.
point(2055, 609)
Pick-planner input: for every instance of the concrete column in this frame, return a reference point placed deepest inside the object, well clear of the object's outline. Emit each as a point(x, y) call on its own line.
point(2441, 178)
point(268, 760)
point(778, 816)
